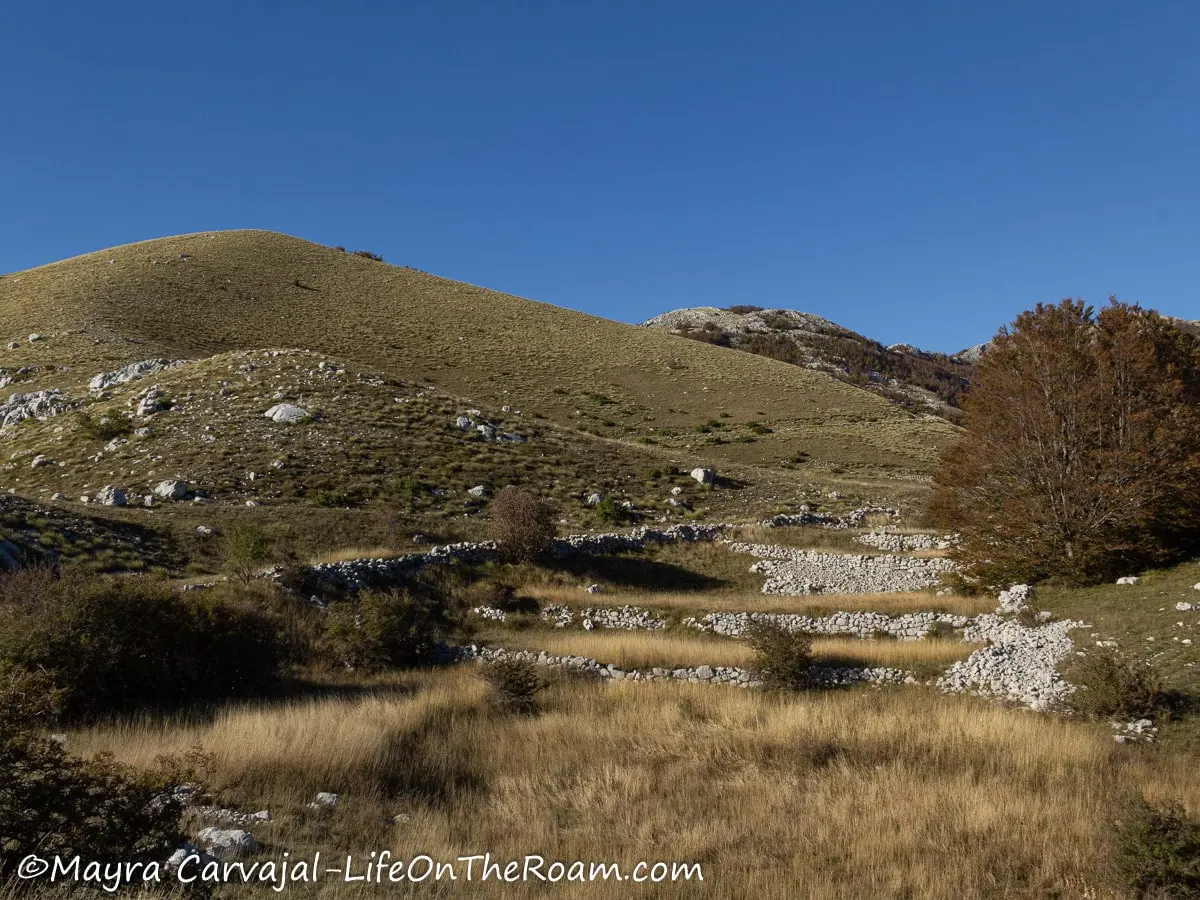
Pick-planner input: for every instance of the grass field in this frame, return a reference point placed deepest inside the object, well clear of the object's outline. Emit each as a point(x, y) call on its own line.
point(822, 796)
point(641, 650)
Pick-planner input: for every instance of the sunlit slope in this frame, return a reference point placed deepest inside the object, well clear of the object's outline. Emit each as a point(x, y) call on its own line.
point(195, 295)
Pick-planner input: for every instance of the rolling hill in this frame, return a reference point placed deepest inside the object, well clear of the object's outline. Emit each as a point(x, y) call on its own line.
point(388, 361)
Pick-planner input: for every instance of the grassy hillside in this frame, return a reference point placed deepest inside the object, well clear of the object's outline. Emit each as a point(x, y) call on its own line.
point(387, 358)
point(201, 294)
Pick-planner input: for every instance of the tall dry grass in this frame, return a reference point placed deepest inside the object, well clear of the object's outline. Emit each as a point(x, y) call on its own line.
point(697, 602)
point(641, 649)
point(851, 794)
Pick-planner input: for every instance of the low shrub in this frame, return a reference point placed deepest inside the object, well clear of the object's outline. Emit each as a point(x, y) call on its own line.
point(108, 426)
point(504, 597)
point(378, 630)
point(611, 511)
point(522, 525)
point(115, 644)
point(1110, 685)
point(513, 686)
point(743, 308)
point(1160, 854)
point(55, 804)
point(781, 658)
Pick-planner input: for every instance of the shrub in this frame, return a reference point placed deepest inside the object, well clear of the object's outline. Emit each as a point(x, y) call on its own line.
point(108, 426)
point(378, 630)
point(367, 254)
point(781, 658)
point(1110, 685)
point(513, 686)
point(743, 308)
point(244, 550)
point(611, 511)
point(1078, 459)
point(1160, 854)
point(522, 525)
point(53, 803)
point(117, 644)
point(504, 597)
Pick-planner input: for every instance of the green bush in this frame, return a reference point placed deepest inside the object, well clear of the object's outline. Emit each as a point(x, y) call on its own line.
point(1160, 854)
point(108, 426)
point(611, 511)
point(1110, 685)
point(513, 686)
point(781, 658)
point(118, 643)
point(245, 549)
point(53, 803)
point(377, 630)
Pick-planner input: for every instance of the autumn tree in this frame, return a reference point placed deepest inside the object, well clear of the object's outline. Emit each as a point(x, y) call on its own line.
point(522, 525)
point(1081, 454)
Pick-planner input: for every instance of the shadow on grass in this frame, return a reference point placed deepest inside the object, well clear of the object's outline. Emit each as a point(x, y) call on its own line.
point(634, 571)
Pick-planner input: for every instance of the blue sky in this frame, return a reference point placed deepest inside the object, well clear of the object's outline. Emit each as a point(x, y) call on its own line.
point(917, 171)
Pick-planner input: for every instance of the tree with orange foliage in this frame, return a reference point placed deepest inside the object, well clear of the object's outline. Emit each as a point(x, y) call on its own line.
point(1081, 454)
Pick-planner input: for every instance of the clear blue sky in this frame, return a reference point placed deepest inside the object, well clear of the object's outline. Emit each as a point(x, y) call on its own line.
point(918, 171)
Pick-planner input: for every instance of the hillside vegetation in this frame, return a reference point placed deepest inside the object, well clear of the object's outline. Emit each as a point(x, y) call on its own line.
point(201, 294)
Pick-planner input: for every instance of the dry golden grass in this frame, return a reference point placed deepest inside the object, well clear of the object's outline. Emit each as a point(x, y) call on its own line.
point(349, 553)
point(641, 649)
point(895, 793)
point(691, 602)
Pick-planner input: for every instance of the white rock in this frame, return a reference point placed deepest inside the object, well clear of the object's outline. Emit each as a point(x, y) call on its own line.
point(58, 496)
point(171, 490)
point(704, 476)
point(286, 412)
point(226, 844)
point(110, 496)
point(253, 503)
point(1184, 606)
point(1128, 579)
point(41, 460)
point(594, 499)
point(203, 530)
point(34, 338)
point(325, 800)
point(478, 491)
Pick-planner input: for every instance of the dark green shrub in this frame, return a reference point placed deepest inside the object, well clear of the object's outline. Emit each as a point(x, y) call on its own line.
point(1160, 854)
point(367, 254)
point(53, 803)
point(522, 525)
point(377, 630)
point(513, 686)
point(108, 426)
point(119, 643)
point(781, 658)
point(1111, 685)
point(610, 511)
point(504, 597)
point(743, 308)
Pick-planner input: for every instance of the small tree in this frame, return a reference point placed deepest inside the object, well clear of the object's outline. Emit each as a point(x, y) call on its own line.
point(513, 686)
point(522, 525)
point(781, 658)
point(1081, 455)
point(244, 550)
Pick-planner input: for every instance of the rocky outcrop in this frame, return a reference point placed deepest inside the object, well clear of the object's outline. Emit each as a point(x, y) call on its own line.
point(37, 405)
point(106, 380)
point(287, 413)
point(906, 627)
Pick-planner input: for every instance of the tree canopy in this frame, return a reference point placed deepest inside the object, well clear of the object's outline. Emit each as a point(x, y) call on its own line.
point(1081, 454)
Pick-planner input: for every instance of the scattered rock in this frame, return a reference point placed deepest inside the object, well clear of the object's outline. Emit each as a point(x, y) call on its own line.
point(704, 476)
point(171, 490)
point(106, 380)
point(226, 844)
point(287, 413)
point(110, 496)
